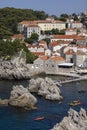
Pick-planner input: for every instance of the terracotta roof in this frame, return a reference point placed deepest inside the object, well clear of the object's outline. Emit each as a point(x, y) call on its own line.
point(70, 52)
point(40, 21)
point(28, 22)
point(33, 25)
point(57, 58)
point(69, 37)
point(18, 36)
point(55, 43)
point(38, 53)
point(43, 57)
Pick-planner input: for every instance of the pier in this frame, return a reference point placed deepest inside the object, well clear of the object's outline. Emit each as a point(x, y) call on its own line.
point(73, 79)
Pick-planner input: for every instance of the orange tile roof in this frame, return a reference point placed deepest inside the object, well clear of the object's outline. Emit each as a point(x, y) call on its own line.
point(69, 37)
point(40, 21)
point(42, 42)
point(28, 22)
point(57, 58)
point(33, 25)
point(18, 36)
point(38, 53)
point(59, 42)
point(43, 57)
point(70, 52)
point(55, 43)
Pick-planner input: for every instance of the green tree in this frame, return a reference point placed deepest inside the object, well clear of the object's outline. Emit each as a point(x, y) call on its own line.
point(55, 31)
point(64, 15)
point(9, 49)
point(75, 16)
point(34, 38)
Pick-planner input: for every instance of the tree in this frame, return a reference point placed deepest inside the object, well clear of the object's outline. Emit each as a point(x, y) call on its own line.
point(64, 15)
point(75, 16)
point(9, 49)
point(55, 31)
point(34, 38)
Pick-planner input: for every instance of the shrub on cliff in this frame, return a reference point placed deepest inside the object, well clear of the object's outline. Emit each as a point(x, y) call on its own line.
point(8, 49)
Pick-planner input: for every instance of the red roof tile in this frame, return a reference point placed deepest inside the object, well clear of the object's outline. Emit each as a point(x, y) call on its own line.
point(57, 58)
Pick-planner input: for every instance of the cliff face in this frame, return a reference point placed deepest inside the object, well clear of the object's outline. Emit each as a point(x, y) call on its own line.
point(15, 68)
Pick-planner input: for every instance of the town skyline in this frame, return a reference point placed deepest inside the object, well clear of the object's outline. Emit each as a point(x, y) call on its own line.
point(51, 8)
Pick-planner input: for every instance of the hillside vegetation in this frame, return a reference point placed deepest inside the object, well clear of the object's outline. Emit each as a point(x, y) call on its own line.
point(9, 18)
point(9, 49)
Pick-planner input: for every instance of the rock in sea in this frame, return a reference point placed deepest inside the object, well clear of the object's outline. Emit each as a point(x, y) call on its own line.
point(21, 97)
point(74, 121)
point(46, 88)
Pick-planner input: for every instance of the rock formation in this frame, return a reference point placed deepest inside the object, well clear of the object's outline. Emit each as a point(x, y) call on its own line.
point(21, 97)
point(15, 68)
point(46, 88)
point(74, 121)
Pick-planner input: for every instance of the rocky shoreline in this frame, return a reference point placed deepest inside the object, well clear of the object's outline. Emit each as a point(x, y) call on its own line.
point(15, 68)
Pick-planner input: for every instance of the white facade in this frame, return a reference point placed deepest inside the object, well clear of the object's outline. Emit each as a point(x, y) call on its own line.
point(36, 48)
point(28, 30)
point(45, 26)
point(70, 32)
point(76, 25)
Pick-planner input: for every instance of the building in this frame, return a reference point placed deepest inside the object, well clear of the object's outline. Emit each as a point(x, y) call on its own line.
point(67, 38)
point(79, 58)
point(28, 30)
point(49, 25)
point(39, 62)
point(71, 31)
point(76, 24)
point(45, 25)
point(51, 65)
point(36, 48)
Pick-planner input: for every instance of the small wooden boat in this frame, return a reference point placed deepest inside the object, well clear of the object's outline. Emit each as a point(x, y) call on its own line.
point(75, 103)
point(39, 118)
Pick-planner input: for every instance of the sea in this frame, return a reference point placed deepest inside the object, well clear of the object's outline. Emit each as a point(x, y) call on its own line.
point(12, 118)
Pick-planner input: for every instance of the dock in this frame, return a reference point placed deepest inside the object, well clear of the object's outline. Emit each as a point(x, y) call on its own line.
point(73, 79)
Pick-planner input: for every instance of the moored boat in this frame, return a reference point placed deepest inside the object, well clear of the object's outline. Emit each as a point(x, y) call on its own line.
point(39, 118)
point(75, 103)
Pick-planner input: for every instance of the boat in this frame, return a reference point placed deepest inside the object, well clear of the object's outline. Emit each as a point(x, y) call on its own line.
point(39, 118)
point(75, 103)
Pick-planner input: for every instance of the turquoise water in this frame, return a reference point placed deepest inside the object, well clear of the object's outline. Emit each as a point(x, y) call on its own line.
point(19, 119)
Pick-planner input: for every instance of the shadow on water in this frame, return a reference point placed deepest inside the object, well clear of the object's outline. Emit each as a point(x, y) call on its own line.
point(6, 86)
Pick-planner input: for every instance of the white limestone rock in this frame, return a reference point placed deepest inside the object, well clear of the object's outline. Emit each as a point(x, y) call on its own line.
point(21, 97)
point(16, 68)
point(46, 88)
point(74, 121)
